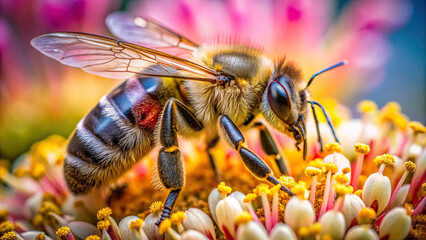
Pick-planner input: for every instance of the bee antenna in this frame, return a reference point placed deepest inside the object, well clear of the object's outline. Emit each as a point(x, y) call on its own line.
point(344, 62)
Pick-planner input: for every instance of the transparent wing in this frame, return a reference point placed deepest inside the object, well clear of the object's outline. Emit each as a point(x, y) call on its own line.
point(147, 33)
point(116, 59)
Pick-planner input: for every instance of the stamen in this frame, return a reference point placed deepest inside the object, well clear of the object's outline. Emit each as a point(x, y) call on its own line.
point(224, 190)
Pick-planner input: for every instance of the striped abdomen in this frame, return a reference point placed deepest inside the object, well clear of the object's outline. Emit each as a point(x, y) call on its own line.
point(117, 133)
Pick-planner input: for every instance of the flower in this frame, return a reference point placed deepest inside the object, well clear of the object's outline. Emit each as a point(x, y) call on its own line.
point(395, 225)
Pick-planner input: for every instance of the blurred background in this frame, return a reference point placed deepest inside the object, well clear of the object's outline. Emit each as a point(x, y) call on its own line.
point(384, 41)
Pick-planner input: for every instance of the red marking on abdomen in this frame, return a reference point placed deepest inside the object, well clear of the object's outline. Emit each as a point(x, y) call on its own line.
point(146, 113)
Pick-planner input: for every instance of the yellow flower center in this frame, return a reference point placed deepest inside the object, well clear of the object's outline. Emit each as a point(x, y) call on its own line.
point(410, 166)
point(243, 218)
point(362, 148)
point(63, 231)
point(104, 213)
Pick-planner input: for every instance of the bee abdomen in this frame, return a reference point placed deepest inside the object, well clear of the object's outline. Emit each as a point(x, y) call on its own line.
point(112, 137)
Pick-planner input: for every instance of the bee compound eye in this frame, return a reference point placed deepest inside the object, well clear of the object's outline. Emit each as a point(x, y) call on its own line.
point(279, 100)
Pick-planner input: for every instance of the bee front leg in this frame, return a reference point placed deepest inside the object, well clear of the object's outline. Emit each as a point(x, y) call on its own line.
point(256, 165)
point(270, 148)
point(170, 164)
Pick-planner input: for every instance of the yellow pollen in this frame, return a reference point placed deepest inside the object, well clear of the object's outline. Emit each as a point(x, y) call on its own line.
point(391, 112)
point(384, 159)
point(63, 231)
point(346, 170)
point(263, 188)
point(223, 189)
point(342, 189)
point(104, 213)
point(341, 178)
point(287, 181)
point(165, 225)
point(358, 193)
point(243, 218)
point(276, 188)
point(304, 231)
point(250, 197)
point(37, 170)
point(156, 206)
point(312, 171)
point(317, 163)
point(6, 227)
point(332, 147)
point(48, 207)
point(417, 127)
point(103, 224)
point(40, 236)
point(326, 237)
point(4, 213)
point(20, 172)
point(136, 225)
point(3, 171)
point(93, 237)
point(38, 221)
point(300, 191)
point(362, 148)
point(9, 236)
point(366, 215)
point(424, 186)
point(315, 228)
point(367, 106)
point(177, 217)
point(330, 167)
point(410, 166)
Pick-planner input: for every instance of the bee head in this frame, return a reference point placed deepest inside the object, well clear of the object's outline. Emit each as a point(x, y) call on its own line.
point(279, 94)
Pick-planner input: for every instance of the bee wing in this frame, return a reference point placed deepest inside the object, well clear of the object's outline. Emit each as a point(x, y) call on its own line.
point(116, 59)
point(148, 33)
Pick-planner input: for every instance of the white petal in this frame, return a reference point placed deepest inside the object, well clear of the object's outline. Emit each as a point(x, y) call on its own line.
point(377, 187)
point(114, 226)
point(351, 207)
point(123, 226)
point(361, 232)
point(350, 131)
point(214, 198)
point(200, 221)
point(299, 213)
point(30, 235)
point(282, 231)
point(240, 197)
point(105, 235)
point(401, 195)
point(341, 163)
point(252, 231)
point(83, 229)
point(396, 224)
point(333, 223)
point(193, 235)
point(150, 228)
point(226, 211)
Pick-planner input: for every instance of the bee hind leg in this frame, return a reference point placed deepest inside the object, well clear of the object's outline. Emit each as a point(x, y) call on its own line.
point(170, 163)
point(257, 166)
point(270, 148)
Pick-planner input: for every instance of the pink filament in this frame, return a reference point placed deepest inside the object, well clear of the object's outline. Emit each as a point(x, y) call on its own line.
point(313, 189)
point(326, 194)
point(267, 212)
point(252, 212)
point(419, 208)
point(357, 172)
point(395, 192)
point(274, 210)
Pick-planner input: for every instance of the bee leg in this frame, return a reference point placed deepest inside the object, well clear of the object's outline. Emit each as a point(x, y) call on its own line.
point(256, 165)
point(302, 129)
point(327, 118)
point(170, 164)
point(270, 148)
point(317, 126)
point(211, 143)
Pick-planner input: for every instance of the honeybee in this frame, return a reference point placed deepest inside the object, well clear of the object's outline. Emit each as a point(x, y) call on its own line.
point(212, 92)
